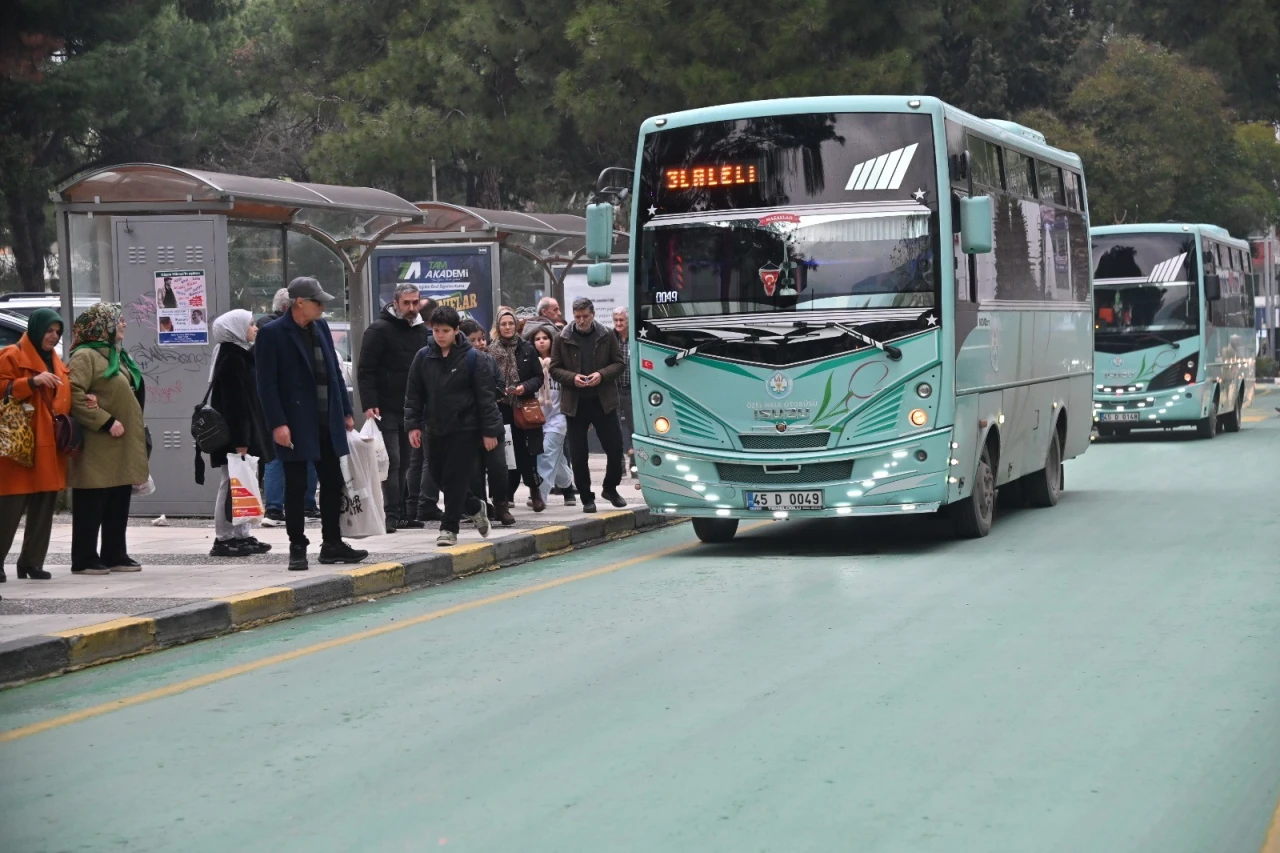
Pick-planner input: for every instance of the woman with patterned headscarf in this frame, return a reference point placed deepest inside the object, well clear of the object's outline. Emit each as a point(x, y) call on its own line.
point(114, 458)
point(520, 373)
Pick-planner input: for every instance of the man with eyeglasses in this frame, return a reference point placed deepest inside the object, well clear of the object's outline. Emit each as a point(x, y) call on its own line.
point(308, 409)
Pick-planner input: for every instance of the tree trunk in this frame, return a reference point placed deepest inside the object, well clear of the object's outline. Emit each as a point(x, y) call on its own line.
point(489, 188)
point(26, 223)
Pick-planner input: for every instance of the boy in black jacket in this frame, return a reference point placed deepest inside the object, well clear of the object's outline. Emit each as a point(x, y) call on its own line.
point(450, 397)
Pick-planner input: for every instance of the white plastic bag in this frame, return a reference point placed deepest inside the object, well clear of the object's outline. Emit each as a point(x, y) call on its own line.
point(371, 431)
point(362, 512)
point(509, 449)
point(245, 492)
point(141, 490)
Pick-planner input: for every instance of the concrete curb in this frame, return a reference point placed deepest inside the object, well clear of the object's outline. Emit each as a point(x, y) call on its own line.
point(40, 656)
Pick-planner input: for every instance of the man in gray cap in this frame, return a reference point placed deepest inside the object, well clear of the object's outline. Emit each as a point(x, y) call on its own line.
point(307, 406)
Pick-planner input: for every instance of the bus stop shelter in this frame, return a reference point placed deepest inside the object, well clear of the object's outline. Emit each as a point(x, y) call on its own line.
point(178, 247)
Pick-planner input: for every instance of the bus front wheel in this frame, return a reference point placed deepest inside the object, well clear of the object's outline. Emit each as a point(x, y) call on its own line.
point(973, 515)
point(1232, 422)
point(715, 529)
point(1207, 427)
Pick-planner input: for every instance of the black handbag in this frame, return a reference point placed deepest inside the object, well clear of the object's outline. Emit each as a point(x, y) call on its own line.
point(208, 427)
point(66, 430)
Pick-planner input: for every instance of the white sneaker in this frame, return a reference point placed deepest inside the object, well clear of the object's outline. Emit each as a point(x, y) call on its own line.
point(446, 539)
point(481, 519)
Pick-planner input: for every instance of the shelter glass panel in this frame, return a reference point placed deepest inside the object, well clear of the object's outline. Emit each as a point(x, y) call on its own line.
point(310, 257)
point(255, 260)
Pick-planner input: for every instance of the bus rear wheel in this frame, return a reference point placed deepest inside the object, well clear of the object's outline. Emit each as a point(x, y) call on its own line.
point(972, 516)
point(1043, 488)
point(715, 529)
point(1233, 421)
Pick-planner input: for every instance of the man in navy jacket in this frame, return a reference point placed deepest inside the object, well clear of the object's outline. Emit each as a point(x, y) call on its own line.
point(306, 404)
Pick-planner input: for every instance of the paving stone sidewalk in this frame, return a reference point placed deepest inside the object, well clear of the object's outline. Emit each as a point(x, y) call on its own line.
point(178, 570)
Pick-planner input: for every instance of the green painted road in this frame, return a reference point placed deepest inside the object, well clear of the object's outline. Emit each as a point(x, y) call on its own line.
point(1102, 676)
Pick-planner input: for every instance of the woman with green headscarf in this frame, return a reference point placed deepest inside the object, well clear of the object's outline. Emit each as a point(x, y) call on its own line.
point(114, 458)
point(32, 373)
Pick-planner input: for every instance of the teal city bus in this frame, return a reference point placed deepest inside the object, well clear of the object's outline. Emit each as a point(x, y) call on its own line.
point(853, 306)
point(1174, 335)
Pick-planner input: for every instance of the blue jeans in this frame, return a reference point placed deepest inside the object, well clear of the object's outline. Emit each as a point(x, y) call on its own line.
point(274, 486)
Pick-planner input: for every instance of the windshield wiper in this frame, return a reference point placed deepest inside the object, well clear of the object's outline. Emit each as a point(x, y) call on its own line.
point(890, 350)
point(1149, 336)
point(677, 357)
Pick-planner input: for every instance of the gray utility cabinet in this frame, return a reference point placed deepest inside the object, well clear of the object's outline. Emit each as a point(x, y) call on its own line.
point(176, 374)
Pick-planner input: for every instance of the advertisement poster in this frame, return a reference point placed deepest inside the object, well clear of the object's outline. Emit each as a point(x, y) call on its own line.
point(182, 308)
point(458, 276)
point(605, 299)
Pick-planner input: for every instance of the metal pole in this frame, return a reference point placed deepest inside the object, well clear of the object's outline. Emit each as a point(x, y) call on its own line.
point(433, 179)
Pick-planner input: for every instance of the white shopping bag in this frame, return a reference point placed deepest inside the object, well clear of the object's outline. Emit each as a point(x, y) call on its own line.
point(370, 430)
point(141, 490)
point(245, 493)
point(362, 512)
point(509, 450)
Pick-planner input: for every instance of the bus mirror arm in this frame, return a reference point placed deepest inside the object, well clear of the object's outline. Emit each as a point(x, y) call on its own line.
point(1212, 287)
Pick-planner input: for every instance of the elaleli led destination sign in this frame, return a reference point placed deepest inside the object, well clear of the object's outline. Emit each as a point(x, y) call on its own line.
point(702, 177)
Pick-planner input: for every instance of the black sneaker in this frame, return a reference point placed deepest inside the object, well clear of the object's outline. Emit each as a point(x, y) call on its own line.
point(254, 545)
point(570, 496)
point(229, 548)
point(390, 526)
point(297, 558)
point(588, 506)
point(430, 512)
point(273, 518)
point(312, 513)
point(410, 524)
point(614, 498)
point(340, 552)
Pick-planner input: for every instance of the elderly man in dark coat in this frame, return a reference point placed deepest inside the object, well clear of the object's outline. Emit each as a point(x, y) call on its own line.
point(308, 409)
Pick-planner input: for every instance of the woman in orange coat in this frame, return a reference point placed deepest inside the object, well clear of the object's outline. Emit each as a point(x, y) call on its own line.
point(41, 380)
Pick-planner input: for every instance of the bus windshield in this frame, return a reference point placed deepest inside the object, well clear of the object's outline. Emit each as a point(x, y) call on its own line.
point(1145, 284)
point(798, 261)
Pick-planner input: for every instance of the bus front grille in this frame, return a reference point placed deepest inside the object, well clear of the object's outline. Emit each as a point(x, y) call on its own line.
point(786, 475)
point(795, 441)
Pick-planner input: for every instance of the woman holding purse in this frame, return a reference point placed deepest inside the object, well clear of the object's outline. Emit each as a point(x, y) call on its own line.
point(521, 373)
point(234, 395)
point(114, 458)
point(37, 377)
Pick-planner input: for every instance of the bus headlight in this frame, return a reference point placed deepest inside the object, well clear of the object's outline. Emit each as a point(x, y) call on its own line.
point(662, 426)
point(918, 417)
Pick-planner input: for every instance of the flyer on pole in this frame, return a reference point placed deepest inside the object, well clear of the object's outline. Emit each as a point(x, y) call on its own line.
point(182, 308)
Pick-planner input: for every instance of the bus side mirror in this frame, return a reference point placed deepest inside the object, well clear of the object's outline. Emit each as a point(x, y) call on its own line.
point(599, 231)
point(598, 275)
point(1212, 287)
point(977, 235)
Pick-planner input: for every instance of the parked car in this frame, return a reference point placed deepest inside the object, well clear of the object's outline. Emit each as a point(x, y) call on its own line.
point(26, 302)
point(11, 327)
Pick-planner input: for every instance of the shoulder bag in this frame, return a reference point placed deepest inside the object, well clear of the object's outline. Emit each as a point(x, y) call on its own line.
point(208, 427)
point(17, 438)
point(66, 430)
point(527, 413)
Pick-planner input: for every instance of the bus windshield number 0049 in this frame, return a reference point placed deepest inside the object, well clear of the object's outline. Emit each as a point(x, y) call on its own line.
point(701, 177)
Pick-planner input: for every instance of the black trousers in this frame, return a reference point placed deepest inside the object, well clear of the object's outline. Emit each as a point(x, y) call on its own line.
point(492, 465)
point(609, 431)
point(625, 415)
point(395, 489)
point(452, 459)
point(329, 473)
point(99, 511)
point(39, 508)
point(423, 491)
point(527, 444)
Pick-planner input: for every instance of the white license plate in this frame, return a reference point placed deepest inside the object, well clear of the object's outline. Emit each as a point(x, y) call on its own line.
point(1111, 417)
point(784, 500)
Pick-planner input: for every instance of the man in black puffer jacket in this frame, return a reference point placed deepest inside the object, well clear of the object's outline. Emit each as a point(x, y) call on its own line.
point(389, 347)
point(450, 407)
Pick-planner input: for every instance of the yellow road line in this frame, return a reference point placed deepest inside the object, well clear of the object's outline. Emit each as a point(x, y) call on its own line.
point(1271, 844)
point(242, 669)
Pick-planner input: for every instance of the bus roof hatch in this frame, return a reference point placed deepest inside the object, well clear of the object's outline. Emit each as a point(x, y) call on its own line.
point(1020, 130)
